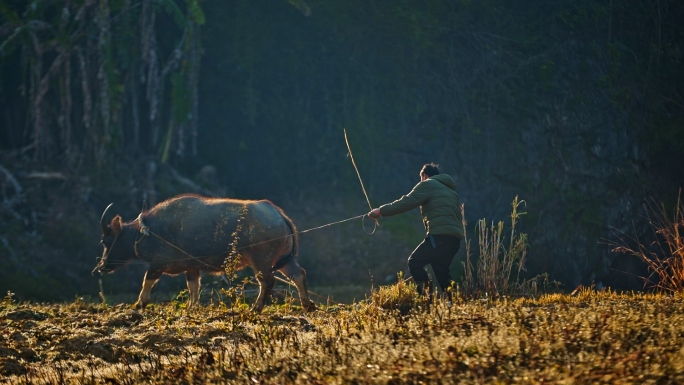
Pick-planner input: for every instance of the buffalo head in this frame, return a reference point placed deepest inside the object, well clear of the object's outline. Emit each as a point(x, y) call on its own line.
point(114, 253)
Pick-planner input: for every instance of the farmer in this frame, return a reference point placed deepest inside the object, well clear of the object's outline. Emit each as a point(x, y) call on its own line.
point(441, 212)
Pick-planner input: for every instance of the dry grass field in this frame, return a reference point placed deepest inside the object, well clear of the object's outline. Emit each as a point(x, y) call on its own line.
point(591, 337)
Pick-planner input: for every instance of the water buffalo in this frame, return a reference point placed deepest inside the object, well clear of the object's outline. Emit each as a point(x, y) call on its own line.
point(190, 233)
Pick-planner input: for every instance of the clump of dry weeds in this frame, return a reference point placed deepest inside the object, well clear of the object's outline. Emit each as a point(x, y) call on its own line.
point(496, 269)
point(665, 255)
point(586, 338)
point(402, 296)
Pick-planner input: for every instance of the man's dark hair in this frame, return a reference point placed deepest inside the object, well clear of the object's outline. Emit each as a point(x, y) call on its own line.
point(430, 169)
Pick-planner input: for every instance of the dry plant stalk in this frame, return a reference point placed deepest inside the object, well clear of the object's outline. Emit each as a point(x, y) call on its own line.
point(468, 279)
point(665, 255)
point(232, 262)
point(496, 262)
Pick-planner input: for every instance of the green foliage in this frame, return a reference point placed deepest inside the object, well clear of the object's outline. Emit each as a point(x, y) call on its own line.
point(405, 228)
point(195, 11)
point(301, 6)
point(582, 13)
point(667, 136)
point(546, 75)
point(8, 12)
point(180, 98)
point(8, 302)
point(172, 8)
point(181, 300)
point(43, 287)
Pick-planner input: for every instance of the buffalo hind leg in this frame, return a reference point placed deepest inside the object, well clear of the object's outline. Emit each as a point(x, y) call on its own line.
point(192, 278)
point(151, 278)
point(297, 274)
point(266, 283)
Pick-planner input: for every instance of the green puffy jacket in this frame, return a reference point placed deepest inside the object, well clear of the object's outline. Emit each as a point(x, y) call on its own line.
point(439, 205)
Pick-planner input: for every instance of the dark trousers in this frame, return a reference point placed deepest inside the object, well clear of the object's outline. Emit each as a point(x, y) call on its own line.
point(438, 251)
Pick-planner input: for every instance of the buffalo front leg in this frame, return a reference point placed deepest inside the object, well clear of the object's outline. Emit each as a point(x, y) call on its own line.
point(192, 278)
point(151, 278)
point(266, 283)
point(297, 274)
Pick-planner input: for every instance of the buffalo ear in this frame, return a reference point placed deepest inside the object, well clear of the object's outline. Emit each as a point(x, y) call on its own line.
point(116, 225)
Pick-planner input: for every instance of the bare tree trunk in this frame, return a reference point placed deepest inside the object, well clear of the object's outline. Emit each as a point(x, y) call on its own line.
point(150, 191)
point(36, 98)
point(92, 35)
point(148, 47)
point(136, 113)
point(180, 148)
point(87, 103)
point(102, 75)
point(195, 57)
point(68, 102)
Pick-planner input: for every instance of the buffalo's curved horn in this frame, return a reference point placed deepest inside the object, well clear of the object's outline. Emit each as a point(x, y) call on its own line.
point(105, 229)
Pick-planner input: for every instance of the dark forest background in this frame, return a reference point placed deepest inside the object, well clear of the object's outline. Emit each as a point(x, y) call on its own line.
point(575, 106)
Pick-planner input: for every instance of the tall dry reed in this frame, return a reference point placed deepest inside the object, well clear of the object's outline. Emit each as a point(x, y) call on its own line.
point(496, 262)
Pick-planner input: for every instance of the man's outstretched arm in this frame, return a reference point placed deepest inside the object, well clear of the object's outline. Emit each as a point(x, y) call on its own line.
point(415, 198)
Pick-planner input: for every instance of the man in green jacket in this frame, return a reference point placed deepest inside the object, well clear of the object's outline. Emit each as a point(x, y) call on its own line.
point(441, 212)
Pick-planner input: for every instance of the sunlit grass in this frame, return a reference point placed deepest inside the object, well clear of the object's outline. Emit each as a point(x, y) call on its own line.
point(587, 337)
